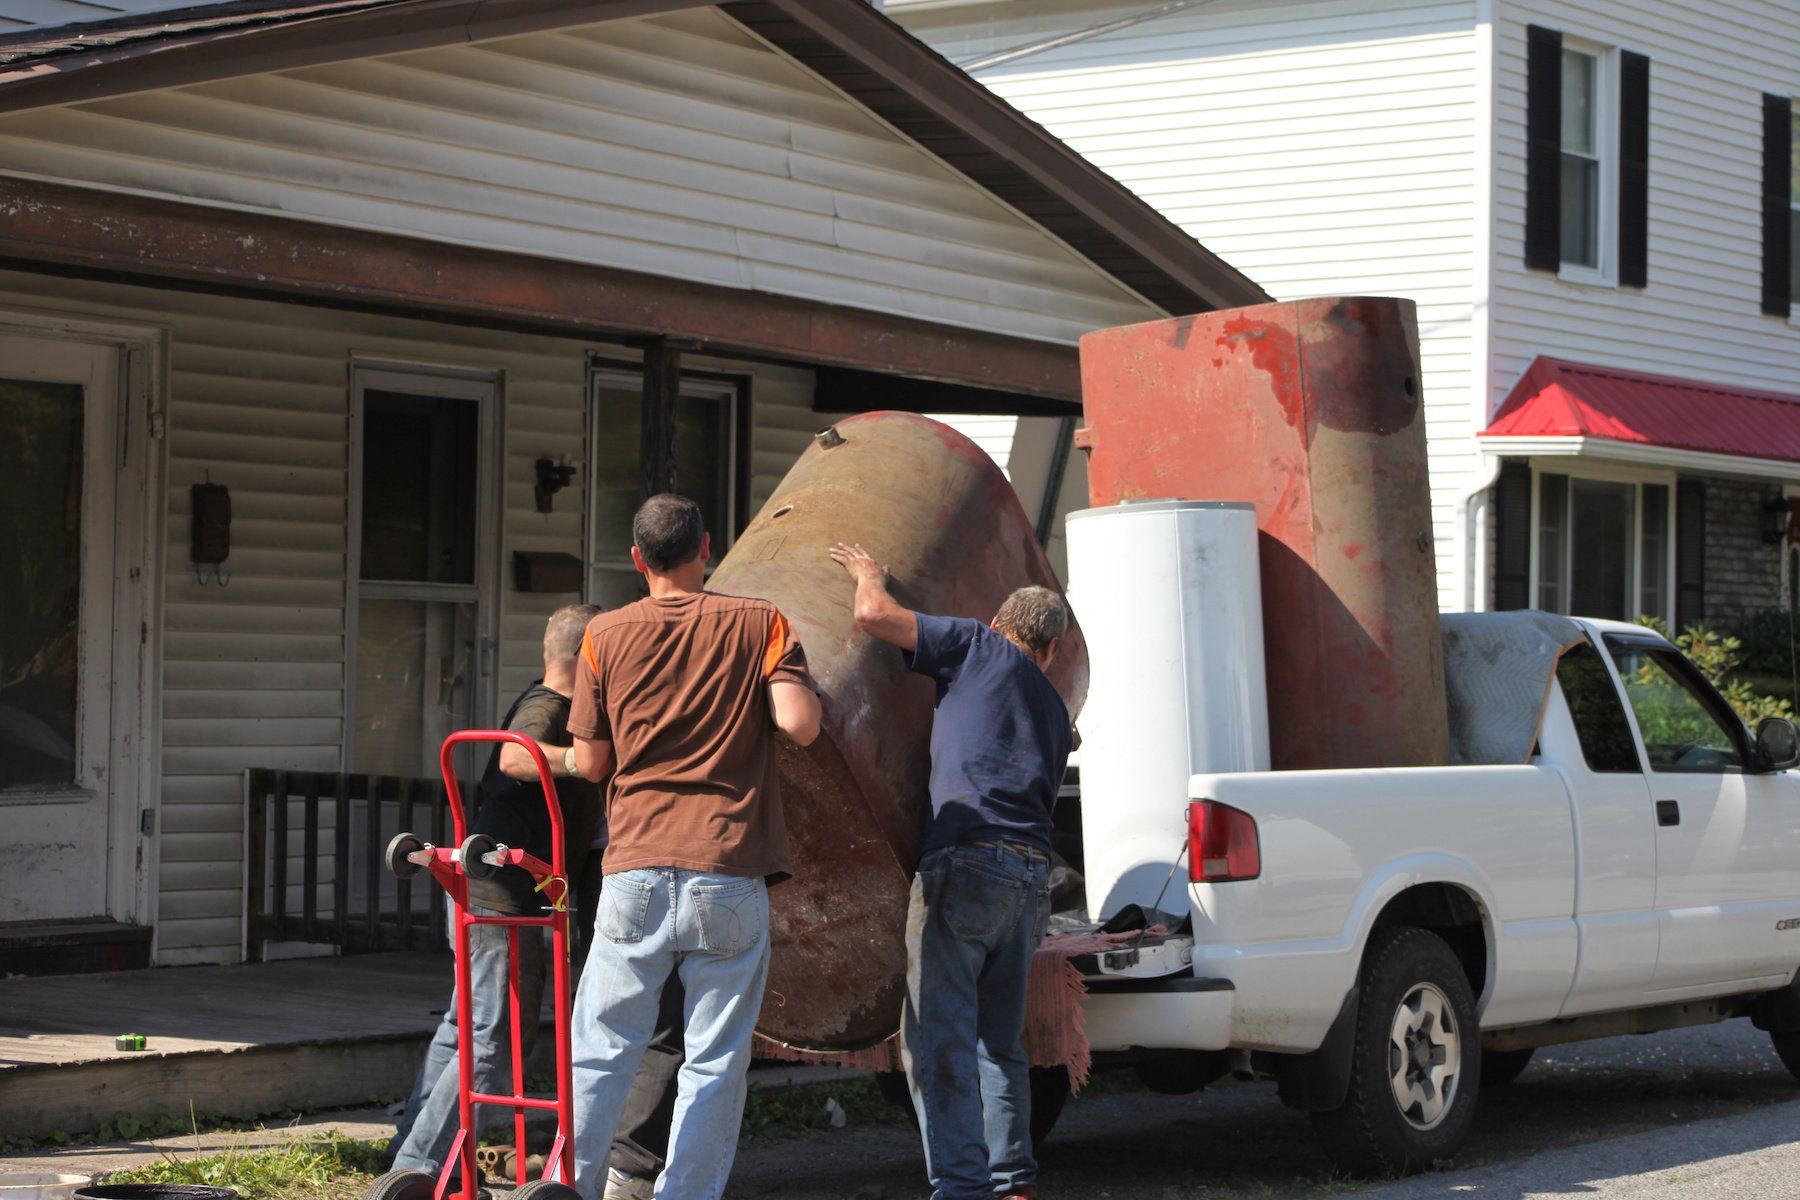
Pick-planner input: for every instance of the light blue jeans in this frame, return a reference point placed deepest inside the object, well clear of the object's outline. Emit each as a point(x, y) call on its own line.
point(977, 916)
point(714, 931)
point(432, 1114)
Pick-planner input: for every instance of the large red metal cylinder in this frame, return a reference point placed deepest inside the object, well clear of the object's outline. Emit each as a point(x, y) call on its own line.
point(931, 504)
point(1312, 412)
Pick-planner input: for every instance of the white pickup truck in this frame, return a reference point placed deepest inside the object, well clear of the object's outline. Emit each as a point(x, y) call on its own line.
point(1384, 942)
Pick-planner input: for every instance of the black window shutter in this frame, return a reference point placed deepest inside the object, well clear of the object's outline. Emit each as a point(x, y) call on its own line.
point(1543, 148)
point(1690, 553)
point(1512, 532)
point(1778, 133)
point(1634, 169)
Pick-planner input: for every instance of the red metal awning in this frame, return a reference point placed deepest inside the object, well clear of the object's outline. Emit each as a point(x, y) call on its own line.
point(1653, 413)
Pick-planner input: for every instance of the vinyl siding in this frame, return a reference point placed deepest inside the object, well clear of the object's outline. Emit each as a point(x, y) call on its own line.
point(1323, 147)
point(680, 145)
point(257, 398)
point(18, 16)
point(1699, 316)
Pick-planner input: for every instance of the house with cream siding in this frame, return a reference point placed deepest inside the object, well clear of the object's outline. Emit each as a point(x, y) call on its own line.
point(1591, 201)
point(338, 341)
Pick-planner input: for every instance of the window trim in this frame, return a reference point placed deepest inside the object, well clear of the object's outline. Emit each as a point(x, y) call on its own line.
point(627, 375)
point(1606, 154)
point(1609, 473)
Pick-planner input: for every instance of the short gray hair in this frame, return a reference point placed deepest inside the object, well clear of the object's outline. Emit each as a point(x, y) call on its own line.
point(563, 633)
point(1035, 616)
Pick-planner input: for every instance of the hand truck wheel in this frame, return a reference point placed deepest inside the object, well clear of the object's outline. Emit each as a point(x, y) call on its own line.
point(545, 1189)
point(476, 845)
point(402, 845)
point(401, 1185)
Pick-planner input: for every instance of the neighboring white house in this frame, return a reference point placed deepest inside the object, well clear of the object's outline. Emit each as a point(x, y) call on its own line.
point(1413, 148)
point(381, 298)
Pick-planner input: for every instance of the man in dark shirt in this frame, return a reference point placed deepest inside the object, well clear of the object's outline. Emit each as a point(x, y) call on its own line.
point(981, 900)
point(511, 811)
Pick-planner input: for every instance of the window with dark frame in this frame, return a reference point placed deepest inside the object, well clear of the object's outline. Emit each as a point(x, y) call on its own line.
point(1587, 160)
point(708, 466)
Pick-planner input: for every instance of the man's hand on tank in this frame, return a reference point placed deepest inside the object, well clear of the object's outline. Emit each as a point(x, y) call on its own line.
point(859, 562)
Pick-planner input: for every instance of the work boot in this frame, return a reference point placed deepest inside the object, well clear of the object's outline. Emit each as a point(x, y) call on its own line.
point(620, 1186)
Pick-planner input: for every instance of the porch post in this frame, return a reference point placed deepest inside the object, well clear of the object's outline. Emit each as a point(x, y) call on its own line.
point(662, 383)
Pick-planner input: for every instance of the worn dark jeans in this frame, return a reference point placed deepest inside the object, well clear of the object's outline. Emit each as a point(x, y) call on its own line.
point(976, 918)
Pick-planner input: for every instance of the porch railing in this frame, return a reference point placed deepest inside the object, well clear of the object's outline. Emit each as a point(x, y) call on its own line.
point(313, 870)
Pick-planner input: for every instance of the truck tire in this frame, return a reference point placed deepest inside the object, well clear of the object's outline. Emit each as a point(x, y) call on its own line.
point(1415, 1061)
point(1501, 1067)
point(1049, 1092)
point(1787, 1045)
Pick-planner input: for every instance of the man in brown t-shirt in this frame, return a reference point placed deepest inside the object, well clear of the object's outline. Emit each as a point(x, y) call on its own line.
point(677, 699)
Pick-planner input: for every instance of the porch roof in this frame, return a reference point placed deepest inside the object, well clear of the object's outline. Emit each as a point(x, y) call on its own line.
point(847, 42)
point(1562, 408)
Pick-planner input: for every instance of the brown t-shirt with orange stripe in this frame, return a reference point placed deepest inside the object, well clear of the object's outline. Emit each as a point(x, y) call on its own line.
point(680, 687)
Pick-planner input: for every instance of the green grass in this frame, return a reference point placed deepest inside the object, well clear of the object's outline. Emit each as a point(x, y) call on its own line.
point(329, 1165)
point(306, 1167)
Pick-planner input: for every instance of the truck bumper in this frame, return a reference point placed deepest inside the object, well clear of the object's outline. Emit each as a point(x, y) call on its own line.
point(1172, 1013)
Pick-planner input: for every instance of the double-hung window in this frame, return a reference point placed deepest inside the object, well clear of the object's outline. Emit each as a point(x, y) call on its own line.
point(1587, 160)
point(1794, 207)
point(1583, 162)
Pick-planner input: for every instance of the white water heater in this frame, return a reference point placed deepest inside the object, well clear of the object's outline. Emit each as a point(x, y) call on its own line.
point(1169, 596)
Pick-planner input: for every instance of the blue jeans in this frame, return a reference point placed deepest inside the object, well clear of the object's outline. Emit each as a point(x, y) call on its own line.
point(977, 916)
point(712, 930)
point(432, 1114)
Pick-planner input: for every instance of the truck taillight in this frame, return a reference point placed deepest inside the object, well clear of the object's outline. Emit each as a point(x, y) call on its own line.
point(1222, 844)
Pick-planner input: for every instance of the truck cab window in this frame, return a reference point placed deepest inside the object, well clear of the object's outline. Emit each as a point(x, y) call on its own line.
point(1683, 726)
point(1600, 724)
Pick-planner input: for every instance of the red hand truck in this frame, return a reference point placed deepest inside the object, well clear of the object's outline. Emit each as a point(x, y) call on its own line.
point(478, 856)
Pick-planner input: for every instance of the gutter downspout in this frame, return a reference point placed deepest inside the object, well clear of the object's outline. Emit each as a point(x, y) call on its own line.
point(1472, 514)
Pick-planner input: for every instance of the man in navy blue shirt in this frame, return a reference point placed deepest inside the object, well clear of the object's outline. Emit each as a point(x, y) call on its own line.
point(981, 900)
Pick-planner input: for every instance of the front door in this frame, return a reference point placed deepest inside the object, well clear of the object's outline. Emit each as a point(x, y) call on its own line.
point(69, 468)
point(1725, 838)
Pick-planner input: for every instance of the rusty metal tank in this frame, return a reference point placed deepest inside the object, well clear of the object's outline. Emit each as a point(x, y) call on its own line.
point(1311, 411)
point(931, 504)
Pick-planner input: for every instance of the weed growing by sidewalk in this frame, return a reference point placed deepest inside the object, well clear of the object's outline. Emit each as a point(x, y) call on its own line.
point(310, 1167)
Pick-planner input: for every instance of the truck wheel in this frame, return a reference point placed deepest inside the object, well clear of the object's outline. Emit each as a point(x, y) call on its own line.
point(1501, 1067)
point(1787, 1045)
point(1415, 1063)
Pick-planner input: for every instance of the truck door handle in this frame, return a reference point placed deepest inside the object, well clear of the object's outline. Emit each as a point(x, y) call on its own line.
point(1668, 812)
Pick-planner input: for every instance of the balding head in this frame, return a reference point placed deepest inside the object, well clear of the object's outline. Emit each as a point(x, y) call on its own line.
point(562, 636)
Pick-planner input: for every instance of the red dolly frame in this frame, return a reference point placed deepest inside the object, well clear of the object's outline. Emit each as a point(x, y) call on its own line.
point(450, 869)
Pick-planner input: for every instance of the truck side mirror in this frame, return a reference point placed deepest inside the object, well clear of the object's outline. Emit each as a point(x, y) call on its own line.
point(1778, 742)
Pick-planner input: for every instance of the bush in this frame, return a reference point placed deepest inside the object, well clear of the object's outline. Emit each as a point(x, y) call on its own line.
point(1718, 656)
